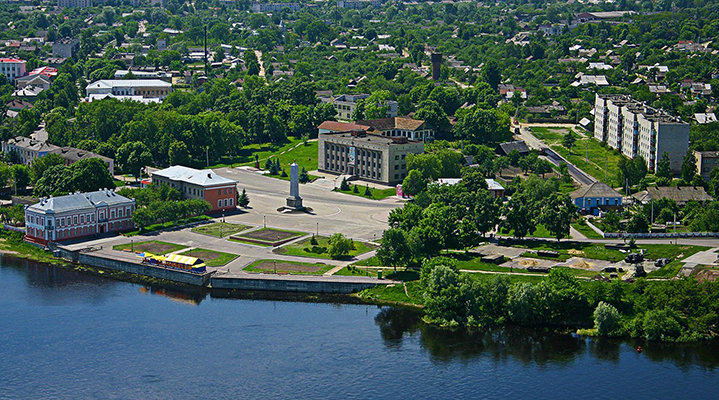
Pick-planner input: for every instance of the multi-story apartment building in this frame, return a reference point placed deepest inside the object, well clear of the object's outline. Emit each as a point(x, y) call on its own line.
point(275, 7)
point(706, 162)
point(28, 149)
point(74, 3)
point(77, 215)
point(359, 4)
point(65, 47)
point(368, 156)
point(346, 104)
point(144, 88)
point(204, 184)
point(635, 129)
point(12, 68)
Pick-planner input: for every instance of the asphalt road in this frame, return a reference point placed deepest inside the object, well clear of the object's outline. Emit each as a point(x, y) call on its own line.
point(550, 155)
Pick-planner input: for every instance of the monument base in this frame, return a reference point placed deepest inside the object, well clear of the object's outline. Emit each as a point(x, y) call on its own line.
point(294, 203)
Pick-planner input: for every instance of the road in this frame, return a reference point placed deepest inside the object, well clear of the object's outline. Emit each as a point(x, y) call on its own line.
point(550, 155)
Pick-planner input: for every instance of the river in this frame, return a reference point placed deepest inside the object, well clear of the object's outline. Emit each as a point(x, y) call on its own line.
point(68, 335)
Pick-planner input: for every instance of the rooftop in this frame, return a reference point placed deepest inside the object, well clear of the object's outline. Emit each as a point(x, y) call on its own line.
point(31, 144)
point(596, 189)
point(78, 200)
point(111, 83)
point(385, 124)
point(205, 177)
point(680, 194)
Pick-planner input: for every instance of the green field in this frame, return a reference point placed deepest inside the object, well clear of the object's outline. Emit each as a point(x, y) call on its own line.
point(541, 232)
point(220, 229)
point(246, 156)
point(354, 271)
point(603, 161)
point(211, 258)
point(668, 271)
point(599, 252)
point(585, 230)
point(395, 293)
point(152, 246)
point(288, 267)
point(377, 194)
point(304, 248)
point(304, 155)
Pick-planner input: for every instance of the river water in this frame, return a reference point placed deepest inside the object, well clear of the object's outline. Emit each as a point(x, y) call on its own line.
point(67, 335)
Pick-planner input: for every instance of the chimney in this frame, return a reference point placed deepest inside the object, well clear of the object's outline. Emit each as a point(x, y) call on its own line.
point(436, 64)
point(209, 175)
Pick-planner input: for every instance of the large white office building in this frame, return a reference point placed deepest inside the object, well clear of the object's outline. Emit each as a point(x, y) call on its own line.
point(635, 129)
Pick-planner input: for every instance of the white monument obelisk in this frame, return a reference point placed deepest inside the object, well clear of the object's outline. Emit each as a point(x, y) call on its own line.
point(294, 201)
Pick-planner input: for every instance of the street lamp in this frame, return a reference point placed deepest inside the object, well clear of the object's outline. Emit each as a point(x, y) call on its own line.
point(264, 221)
point(318, 229)
point(275, 261)
point(132, 245)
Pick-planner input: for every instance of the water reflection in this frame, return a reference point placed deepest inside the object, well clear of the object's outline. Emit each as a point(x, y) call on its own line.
point(530, 346)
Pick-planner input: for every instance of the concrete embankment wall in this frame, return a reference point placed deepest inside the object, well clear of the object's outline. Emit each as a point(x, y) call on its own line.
point(134, 268)
point(289, 285)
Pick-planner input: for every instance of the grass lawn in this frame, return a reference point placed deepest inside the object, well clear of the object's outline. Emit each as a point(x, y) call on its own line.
point(288, 267)
point(159, 227)
point(673, 251)
point(585, 230)
point(211, 258)
point(226, 228)
point(570, 249)
point(304, 248)
point(369, 262)
point(377, 194)
point(304, 155)
point(603, 161)
point(511, 278)
point(668, 271)
point(395, 294)
point(541, 232)
point(246, 156)
point(151, 246)
point(474, 263)
point(355, 271)
point(119, 184)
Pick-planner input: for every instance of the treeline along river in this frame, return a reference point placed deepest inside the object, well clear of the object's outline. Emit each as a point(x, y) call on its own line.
point(68, 335)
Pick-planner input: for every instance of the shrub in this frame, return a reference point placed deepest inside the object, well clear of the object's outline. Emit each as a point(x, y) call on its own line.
point(607, 319)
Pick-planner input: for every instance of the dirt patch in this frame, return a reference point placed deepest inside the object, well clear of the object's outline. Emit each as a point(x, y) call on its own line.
point(155, 248)
point(206, 255)
point(707, 275)
point(528, 263)
point(287, 266)
point(575, 252)
point(269, 235)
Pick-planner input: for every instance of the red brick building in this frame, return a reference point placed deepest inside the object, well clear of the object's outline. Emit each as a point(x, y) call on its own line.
point(204, 184)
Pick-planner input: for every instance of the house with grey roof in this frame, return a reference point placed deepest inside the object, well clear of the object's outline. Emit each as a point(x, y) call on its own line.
point(27, 148)
point(77, 216)
point(595, 197)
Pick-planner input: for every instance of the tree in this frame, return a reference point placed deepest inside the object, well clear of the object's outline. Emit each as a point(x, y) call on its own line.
point(244, 199)
point(304, 176)
point(340, 246)
point(413, 183)
point(568, 141)
point(133, 156)
point(519, 216)
point(611, 221)
point(179, 154)
point(607, 320)
point(394, 250)
point(661, 325)
point(491, 73)
point(375, 106)
point(664, 169)
point(251, 62)
point(425, 241)
point(20, 175)
point(557, 215)
point(42, 164)
point(142, 217)
point(88, 175)
point(689, 167)
point(344, 186)
point(638, 223)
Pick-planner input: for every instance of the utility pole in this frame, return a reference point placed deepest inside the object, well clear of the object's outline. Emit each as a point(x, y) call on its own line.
point(207, 155)
point(207, 71)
